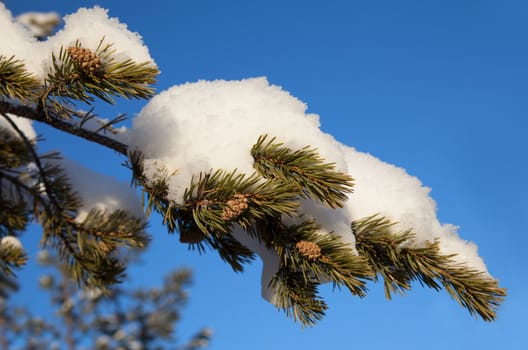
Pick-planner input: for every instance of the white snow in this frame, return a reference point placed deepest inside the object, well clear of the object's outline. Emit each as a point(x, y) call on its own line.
point(98, 191)
point(88, 26)
point(270, 260)
point(213, 124)
point(196, 127)
point(11, 241)
point(388, 190)
point(25, 125)
point(17, 40)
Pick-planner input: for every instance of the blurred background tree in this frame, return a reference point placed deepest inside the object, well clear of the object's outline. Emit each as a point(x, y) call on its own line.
point(116, 318)
point(135, 318)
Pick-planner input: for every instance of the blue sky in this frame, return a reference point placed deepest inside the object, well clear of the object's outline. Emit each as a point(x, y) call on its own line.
point(438, 88)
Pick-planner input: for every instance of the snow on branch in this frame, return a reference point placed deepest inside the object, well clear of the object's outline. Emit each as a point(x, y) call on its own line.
point(238, 166)
point(196, 128)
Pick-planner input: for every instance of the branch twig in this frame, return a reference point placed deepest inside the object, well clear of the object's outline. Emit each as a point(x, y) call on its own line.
point(33, 114)
point(45, 181)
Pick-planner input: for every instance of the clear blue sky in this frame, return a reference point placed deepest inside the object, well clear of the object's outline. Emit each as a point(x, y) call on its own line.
point(437, 87)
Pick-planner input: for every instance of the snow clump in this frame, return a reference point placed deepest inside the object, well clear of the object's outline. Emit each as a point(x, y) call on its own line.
point(99, 191)
point(11, 241)
point(88, 26)
point(197, 127)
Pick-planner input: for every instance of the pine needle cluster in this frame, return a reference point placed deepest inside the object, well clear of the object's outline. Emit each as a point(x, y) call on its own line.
point(15, 81)
point(33, 187)
point(317, 179)
point(77, 77)
point(398, 261)
point(78, 74)
point(218, 202)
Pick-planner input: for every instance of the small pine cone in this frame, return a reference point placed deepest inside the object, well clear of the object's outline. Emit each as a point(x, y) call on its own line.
point(87, 61)
point(191, 236)
point(309, 249)
point(235, 206)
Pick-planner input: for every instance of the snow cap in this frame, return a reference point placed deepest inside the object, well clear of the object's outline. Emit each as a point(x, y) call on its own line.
point(98, 191)
point(210, 125)
point(88, 26)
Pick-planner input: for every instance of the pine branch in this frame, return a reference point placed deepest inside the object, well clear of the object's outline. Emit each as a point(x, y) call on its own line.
point(7, 285)
point(308, 258)
point(218, 199)
point(375, 241)
point(54, 204)
point(14, 214)
point(15, 81)
point(57, 123)
point(215, 201)
point(338, 263)
point(318, 180)
point(474, 290)
point(82, 75)
point(77, 75)
point(318, 256)
point(110, 231)
point(11, 258)
point(230, 251)
point(298, 297)
point(395, 258)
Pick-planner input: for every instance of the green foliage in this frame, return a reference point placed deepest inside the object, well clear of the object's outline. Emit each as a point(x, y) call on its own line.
point(305, 167)
point(14, 214)
point(33, 185)
point(337, 262)
point(77, 75)
point(209, 198)
point(101, 77)
point(11, 257)
point(219, 202)
point(398, 261)
point(298, 297)
point(124, 318)
point(300, 272)
point(15, 81)
point(375, 240)
point(38, 189)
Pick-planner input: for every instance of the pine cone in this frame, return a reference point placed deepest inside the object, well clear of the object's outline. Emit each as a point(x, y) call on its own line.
point(310, 250)
point(235, 206)
point(85, 59)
